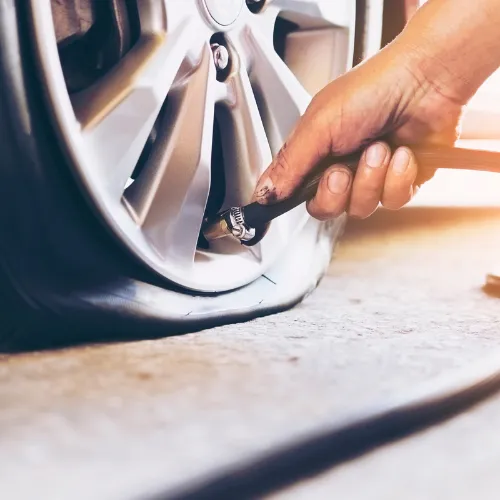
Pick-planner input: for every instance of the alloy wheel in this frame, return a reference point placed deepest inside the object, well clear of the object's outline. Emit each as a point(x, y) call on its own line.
point(183, 116)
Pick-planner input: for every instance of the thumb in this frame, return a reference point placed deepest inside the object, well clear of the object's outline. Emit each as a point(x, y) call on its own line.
point(308, 144)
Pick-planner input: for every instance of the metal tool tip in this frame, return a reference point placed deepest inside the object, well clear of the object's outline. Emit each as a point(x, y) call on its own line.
point(216, 228)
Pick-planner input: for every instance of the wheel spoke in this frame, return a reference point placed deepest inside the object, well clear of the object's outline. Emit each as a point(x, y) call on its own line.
point(181, 239)
point(247, 151)
point(118, 113)
point(285, 99)
point(314, 13)
point(139, 139)
point(169, 196)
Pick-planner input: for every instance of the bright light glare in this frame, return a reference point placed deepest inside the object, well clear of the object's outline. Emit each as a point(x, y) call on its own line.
point(462, 188)
point(481, 130)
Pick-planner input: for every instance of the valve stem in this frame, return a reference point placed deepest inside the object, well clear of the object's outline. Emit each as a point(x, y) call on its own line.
point(228, 223)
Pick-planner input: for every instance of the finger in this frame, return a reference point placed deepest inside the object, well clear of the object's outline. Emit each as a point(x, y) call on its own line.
point(333, 193)
point(369, 181)
point(401, 175)
point(308, 144)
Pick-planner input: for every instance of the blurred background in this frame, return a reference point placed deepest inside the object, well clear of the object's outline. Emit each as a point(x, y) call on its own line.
point(481, 130)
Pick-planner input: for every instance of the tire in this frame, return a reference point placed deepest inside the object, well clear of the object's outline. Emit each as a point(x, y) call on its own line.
point(66, 274)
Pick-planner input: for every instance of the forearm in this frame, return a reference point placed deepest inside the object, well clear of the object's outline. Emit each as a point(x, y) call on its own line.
point(453, 44)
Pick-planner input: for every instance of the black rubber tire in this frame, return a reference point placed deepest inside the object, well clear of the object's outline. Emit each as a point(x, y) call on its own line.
point(63, 278)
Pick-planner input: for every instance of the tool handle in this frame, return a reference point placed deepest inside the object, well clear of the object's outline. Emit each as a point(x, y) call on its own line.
point(428, 158)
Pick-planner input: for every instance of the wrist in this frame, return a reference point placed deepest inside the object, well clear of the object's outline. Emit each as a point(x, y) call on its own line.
point(451, 47)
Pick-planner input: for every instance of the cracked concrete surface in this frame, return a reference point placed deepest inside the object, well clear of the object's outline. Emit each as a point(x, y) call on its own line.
point(401, 304)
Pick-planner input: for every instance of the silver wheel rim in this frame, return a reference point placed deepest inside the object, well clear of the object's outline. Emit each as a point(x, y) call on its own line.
point(105, 128)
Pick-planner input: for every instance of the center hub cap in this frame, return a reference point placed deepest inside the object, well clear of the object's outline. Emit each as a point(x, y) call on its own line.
point(224, 12)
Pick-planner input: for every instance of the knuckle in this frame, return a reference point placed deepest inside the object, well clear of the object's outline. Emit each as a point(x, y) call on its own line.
point(365, 202)
point(370, 187)
point(281, 174)
point(281, 163)
point(370, 196)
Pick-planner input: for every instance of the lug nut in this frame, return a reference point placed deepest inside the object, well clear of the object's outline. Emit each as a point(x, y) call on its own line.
point(221, 56)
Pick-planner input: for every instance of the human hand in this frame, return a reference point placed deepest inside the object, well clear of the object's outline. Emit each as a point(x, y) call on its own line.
point(386, 100)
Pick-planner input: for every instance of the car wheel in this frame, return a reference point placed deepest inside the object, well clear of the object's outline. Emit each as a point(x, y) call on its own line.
point(123, 124)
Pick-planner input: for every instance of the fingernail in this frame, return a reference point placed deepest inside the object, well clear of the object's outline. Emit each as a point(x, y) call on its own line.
point(338, 182)
point(375, 155)
point(400, 161)
point(264, 187)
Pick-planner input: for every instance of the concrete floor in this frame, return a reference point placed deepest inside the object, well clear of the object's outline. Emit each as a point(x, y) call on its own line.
point(401, 304)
